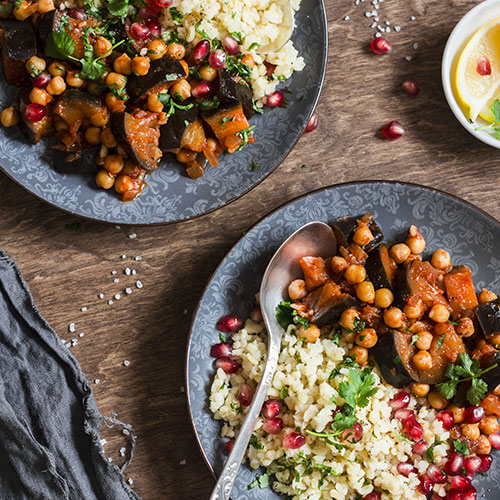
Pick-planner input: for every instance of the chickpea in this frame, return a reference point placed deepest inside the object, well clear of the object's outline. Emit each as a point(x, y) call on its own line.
point(185, 67)
point(57, 68)
point(123, 184)
point(420, 389)
point(35, 65)
point(115, 80)
point(339, 264)
point(123, 64)
point(154, 104)
point(186, 156)
point(360, 354)
point(140, 65)
point(176, 50)
point(494, 340)
point(349, 319)
point(102, 47)
point(100, 118)
point(367, 338)
point(362, 235)
point(439, 313)
point(484, 446)
point(393, 317)
point(104, 179)
point(458, 413)
point(489, 425)
point(355, 274)
point(465, 327)
point(181, 90)
point(9, 117)
point(113, 103)
point(56, 86)
point(157, 49)
point(470, 431)
point(95, 88)
point(45, 6)
point(40, 96)
point(441, 259)
point(73, 80)
point(311, 334)
point(108, 139)
point(365, 292)
point(422, 360)
point(93, 135)
point(415, 241)
point(25, 9)
point(130, 168)
point(413, 311)
point(424, 341)
point(400, 252)
point(437, 401)
point(208, 73)
point(113, 164)
point(248, 60)
point(486, 296)
point(297, 290)
point(383, 298)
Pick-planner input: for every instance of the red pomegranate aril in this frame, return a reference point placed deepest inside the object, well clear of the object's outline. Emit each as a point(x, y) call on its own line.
point(164, 3)
point(474, 414)
point(470, 494)
point(472, 464)
point(381, 46)
point(41, 81)
point(77, 13)
point(435, 496)
point(221, 350)
point(139, 31)
point(406, 468)
point(425, 486)
point(154, 27)
point(245, 395)
point(399, 401)
point(410, 87)
point(374, 495)
point(460, 483)
point(495, 440)
point(231, 322)
point(228, 446)
point(217, 59)
point(203, 90)
point(453, 467)
point(393, 130)
point(293, 441)
point(152, 11)
point(454, 494)
point(275, 99)
point(353, 435)
point(256, 315)
point(201, 50)
point(420, 448)
point(272, 408)
point(228, 365)
point(436, 474)
point(414, 429)
point(312, 124)
point(483, 66)
point(35, 112)
point(273, 425)
point(447, 419)
point(404, 414)
point(486, 461)
point(230, 44)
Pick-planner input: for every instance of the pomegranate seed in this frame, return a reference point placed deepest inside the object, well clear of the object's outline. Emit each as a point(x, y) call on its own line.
point(420, 448)
point(494, 438)
point(404, 414)
point(272, 408)
point(374, 495)
point(312, 124)
point(436, 474)
point(435, 496)
point(425, 486)
point(474, 414)
point(486, 461)
point(353, 435)
point(221, 350)
point(163, 3)
point(447, 419)
point(460, 483)
point(41, 81)
point(207, 89)
point(454, 495)
point(410, 87)
point(201, 50)
point(393, 130)
point(470, 494)
point(139, 31)
point(154, 27)
point(227, 364)
point(231, 46)
point(381, 46)
point(152, 11)
point(245, 395)
point(217, 59)
point(35, 112)
point(472, 464)
point(228, 446)
point(256, 315)
point(399, 401)
point(77, 13)
point(275, 99)
point(231, 322)
point(406, 468)
point(454, 465)
point(414, 429)
point(293, 441)
point(483, 66)
point(273, 425)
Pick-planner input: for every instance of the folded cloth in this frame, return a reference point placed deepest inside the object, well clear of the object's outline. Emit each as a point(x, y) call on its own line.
point(49, 421)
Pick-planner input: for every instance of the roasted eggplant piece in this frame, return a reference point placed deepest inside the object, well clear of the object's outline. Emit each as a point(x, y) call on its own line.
point(344, 230)
point(139, 135)
point(33, 131)
point(75, 162)
point(381, 267)
point(488, 316)
point(232, 92)
point(172, 132)
point(162, 72)
point(460, 290)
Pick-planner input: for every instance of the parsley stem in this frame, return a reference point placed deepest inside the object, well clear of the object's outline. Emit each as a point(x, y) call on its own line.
point(323, 434)
point(478, 375)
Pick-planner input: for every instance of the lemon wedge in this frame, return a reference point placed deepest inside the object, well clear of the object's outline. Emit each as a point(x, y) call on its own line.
point(477, 91)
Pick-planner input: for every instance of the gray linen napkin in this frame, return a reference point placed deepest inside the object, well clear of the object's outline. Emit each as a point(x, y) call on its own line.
point(49, 421)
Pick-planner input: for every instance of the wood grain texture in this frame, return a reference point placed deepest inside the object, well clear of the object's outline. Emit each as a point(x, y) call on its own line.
point(66, 269)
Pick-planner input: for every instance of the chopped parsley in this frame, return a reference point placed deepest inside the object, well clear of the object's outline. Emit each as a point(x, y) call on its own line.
point(414, 339)
point(284, 392)
point(235, 66)
point(461, 447)
point(429, 454)
point(245, 135)
point(176, 15)
point(255, 442)
point(286, 315)
point(403, 438)
point(254, 45)
point(225, 119)
point(170, 106)
point(222, 337)
point(237, 36)
point(347, 362)
point(200, 31)
point(261, 480)
point(255, 166)
point(440, 341)
point(209, 104)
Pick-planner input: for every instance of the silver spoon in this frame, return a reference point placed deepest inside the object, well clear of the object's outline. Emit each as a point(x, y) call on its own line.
point(286, 29)
point(315, 238)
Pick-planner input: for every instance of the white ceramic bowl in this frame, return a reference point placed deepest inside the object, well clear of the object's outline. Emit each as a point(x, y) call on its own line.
point(470, 23)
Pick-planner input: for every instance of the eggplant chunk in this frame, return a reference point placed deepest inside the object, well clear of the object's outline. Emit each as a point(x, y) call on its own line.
point(381, 268)
point(488, 316)
point(172, 132)
point(20, 40)
point(79, 162)
point(231, 91)
point(344, 230)
point(33, 131)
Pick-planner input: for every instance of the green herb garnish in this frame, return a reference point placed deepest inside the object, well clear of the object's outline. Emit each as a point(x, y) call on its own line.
point(261, 480)
point(169, 104)
point(286, 315)
point(255, 442)
point(461, 447)
point(176, 15)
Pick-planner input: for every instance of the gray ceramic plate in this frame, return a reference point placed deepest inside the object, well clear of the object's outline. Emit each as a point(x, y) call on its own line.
point(471, 236)
point(170, 195)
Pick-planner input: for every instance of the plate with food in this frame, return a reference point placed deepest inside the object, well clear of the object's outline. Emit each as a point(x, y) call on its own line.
point(153, 112)
point(387, 386)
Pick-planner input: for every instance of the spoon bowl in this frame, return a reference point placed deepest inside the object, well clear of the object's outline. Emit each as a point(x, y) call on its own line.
point(314, 238)
point(287, 26)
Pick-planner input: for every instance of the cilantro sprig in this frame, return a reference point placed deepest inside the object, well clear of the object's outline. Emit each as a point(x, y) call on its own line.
point(495, 126)
point(286, 315)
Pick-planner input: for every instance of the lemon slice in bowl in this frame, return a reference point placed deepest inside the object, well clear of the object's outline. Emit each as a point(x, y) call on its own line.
point(475, 89)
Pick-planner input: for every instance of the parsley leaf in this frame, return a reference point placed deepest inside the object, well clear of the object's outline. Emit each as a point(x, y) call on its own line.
point(261, 480)
point(440, 341)
point(255, 166)
point(169, 104)
point(255, 442)
point(237, 36)
point(200, 31)
point(286, 315)
point(461, 447)
point(477, 391)
point(284, 392)
point(59, 45)
point(176, 15)
point(118, 8)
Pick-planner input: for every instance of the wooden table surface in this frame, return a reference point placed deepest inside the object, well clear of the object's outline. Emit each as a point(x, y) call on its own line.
point(67, 269)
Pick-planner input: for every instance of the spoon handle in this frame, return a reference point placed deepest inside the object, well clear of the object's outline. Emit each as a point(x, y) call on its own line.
point(228, 475)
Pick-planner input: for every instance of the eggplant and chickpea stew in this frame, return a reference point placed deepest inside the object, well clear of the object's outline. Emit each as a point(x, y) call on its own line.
point(119, 92)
